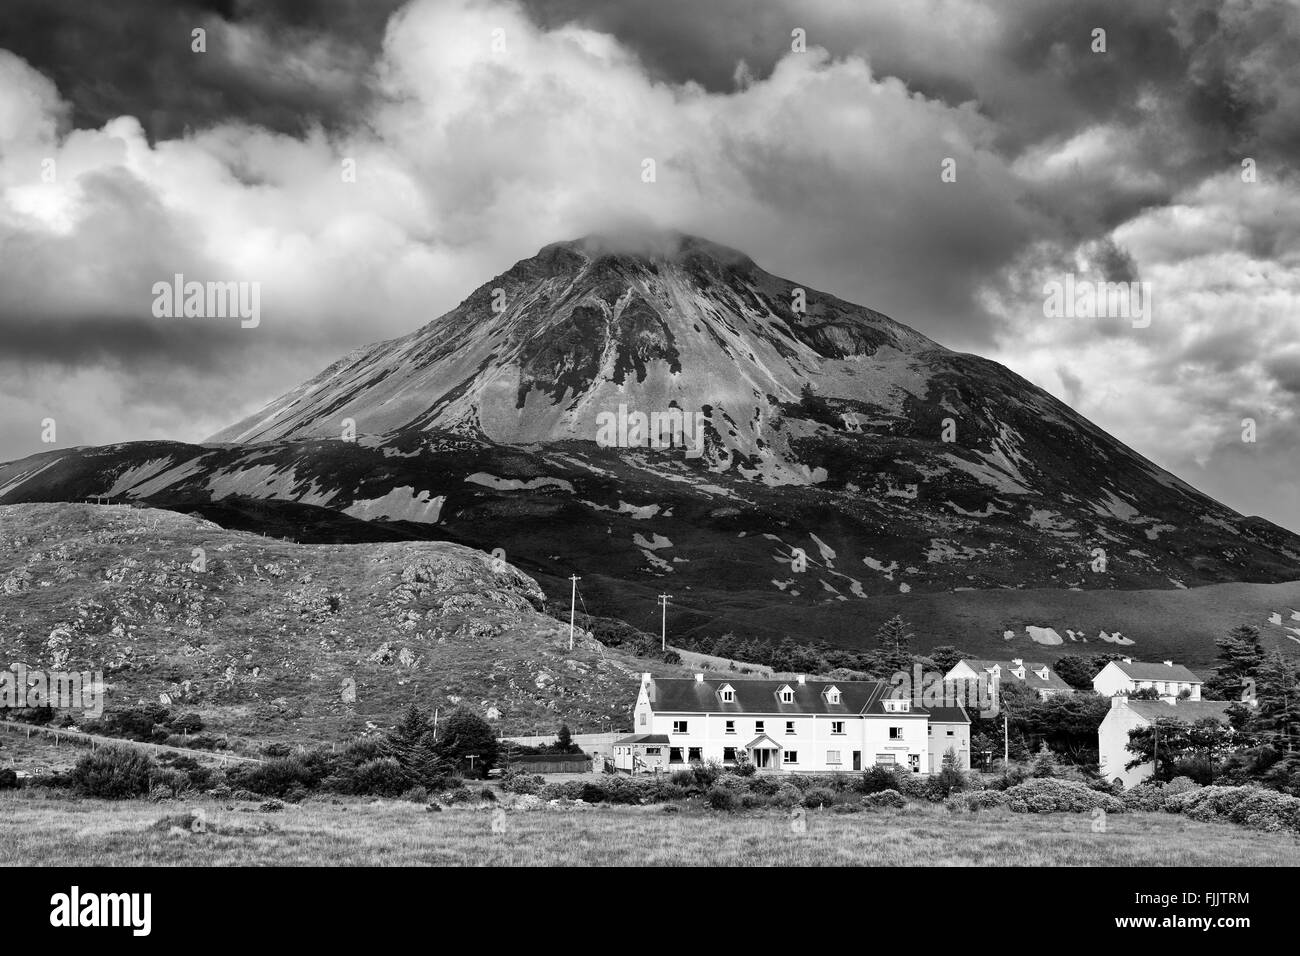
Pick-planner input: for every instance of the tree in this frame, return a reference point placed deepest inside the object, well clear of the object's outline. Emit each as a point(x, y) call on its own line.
point(1170, 744)
point(465, 734)
point(894, 636)
point(945, 657)
point(1078, 670)
point(564, 742)
point(1044, 763)
point(1240, 655)
point(411, 743)
point(1277, 698)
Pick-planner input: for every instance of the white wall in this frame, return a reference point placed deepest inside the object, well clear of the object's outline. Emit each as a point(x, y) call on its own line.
point(1112, 744)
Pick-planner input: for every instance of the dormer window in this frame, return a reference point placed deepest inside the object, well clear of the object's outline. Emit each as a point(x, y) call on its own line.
point(787, 694)
point(832, 695)
point(896, 706)
point(727, 693)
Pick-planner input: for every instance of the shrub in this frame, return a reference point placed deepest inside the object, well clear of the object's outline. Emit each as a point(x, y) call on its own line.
point(787, 795)
point(173, 782)
point(274, 778)
point(818, 797)
point(706, 774)
point(721, 798)
point(764, 786)
point(884, 798)
point(187, 724)
point(1011, 776)
point(562, 790)
point(381, 777)
point(518, 780)
point(8, 778)
point(113, 773)
point(1047, 795)
point(683, 778)
point(876, 779)
point(1251, 807)
point(973, 801)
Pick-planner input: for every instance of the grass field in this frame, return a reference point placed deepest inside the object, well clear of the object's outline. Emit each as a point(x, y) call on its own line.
point(54, 832)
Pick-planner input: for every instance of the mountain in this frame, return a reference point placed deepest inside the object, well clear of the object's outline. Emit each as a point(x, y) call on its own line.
point(665, 415)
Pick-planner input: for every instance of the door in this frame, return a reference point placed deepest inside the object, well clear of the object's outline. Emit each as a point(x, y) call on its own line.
point(762, 759)
point(857, 760)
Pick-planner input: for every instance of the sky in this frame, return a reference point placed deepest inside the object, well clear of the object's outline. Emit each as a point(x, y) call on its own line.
point(371, 162)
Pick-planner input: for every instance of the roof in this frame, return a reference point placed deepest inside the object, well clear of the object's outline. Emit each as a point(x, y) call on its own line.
point(1140, 671)
point(642, 739)
point(678, 695)
point(763, 742)
point(1031, 678)
point(1185, 710)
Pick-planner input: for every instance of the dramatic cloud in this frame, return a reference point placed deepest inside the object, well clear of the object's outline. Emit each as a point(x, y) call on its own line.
point(480, 131)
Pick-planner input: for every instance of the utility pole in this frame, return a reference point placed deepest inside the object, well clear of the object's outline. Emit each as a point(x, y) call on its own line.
point(663, 622)
point(1006, 743)
point(573, 597)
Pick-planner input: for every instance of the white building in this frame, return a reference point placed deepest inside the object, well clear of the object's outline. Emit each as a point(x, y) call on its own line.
point(1126, 715)
point(1037, 677)
point(1126, 676)
point(798, 725)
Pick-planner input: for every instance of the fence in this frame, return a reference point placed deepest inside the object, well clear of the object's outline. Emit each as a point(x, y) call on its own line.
point(94, 741)
point(553, 763)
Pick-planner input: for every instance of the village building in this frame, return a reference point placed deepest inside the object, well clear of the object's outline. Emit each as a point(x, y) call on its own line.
point(1126, 715)
point(793, 726)
point(1039, 678)
point(1126, 677)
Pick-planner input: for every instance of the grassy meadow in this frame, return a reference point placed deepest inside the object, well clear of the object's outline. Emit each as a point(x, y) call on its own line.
point(45, 830)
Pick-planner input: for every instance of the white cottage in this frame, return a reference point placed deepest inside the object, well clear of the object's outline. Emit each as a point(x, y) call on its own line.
point(796, 725)
point(1126, 715)
point(1126, 677)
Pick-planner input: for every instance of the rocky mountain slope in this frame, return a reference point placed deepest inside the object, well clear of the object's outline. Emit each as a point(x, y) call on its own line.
point(842, 460)
point(270, 639)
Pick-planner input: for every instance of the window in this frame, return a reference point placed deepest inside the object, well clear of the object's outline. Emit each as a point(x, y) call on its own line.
point(789, 726)
point(791, 756)
point(832, 757)
point(837, 726)
point(728, 694)
point(914, 761)
point(758, 726)
point(731, 726)
point(674, 754)
point(895, 733)
point(929, 730)
point(832, 695)
point(950, 733)
point(643, 718)
point(653, 751)
point(728, 754)
point(694, 754)
point(679, 726)
point(787, 696)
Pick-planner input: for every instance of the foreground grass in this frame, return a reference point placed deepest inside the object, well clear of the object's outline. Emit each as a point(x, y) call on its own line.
point(45, 832)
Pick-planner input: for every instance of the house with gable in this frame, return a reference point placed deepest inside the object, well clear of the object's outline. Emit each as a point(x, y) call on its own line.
point(794, 726)
point(1039, 678)
point(1127, 676)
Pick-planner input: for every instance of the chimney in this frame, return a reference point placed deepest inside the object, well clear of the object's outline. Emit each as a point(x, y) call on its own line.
point(1169, 663)
point(699, 678)
point(648, 684)
point(801, 678)
point(1127, 660)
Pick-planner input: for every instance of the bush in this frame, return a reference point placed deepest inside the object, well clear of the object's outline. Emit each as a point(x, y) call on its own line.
point(683, 778)
point(518, 780)
point(764, 786)
point(8, 778)
point(113, 773)
point(1012, 776)
point(884, 798)
point(819, 797)
point(973, 801)
point(171, 781)
point(1251, 807)
point(787, 795)
point(706, 774)
point(1047, 795)
point(876, 779)
point(722, 798)
point(381, 777)
point(274, 778)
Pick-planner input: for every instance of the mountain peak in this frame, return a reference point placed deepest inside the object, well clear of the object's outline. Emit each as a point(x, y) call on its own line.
point(661, 245)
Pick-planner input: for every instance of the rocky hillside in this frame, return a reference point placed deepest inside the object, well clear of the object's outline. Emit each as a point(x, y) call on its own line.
point(265, 638)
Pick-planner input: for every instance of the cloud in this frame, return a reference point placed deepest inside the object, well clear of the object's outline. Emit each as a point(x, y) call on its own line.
point(822, 166)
